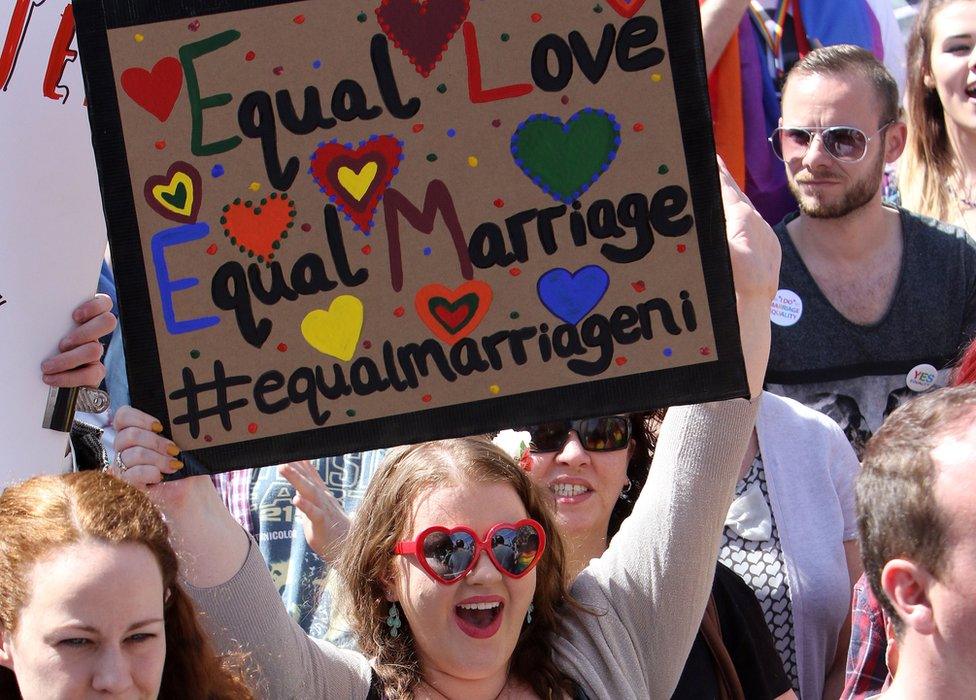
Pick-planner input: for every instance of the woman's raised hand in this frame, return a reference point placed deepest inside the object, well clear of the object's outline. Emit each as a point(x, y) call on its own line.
point(324, 522)
point(78, 362)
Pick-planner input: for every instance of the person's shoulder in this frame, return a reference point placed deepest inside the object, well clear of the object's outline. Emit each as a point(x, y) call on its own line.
point(931, 232)
point(784, 409)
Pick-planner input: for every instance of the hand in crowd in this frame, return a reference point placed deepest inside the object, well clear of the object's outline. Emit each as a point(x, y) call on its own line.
point(78, 362)
point(325, 522)
point(755, 253)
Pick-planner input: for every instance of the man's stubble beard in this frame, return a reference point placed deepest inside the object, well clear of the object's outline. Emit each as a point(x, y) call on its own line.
point(860, 193)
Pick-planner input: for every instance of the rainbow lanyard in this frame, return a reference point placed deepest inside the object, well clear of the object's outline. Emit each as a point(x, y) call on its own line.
point(772, 31)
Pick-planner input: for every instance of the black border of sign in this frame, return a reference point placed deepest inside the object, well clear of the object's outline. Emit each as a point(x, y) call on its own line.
point(721, 379)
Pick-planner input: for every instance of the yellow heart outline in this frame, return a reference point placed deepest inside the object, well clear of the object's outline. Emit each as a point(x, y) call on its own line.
point(178, 178)
point(335, 332)
point(357, 184)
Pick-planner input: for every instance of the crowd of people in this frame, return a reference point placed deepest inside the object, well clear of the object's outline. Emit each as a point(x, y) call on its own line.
point(816, 540)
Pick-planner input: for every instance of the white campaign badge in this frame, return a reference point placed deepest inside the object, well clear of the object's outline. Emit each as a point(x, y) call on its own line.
point(921, 377)
point(786, 309)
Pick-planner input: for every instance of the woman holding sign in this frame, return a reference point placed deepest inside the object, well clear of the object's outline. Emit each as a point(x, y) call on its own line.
point(442, 612)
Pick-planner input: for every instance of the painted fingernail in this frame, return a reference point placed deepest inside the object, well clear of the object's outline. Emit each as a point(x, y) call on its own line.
point(172, 450)
point(175, 464)
point(157, 427)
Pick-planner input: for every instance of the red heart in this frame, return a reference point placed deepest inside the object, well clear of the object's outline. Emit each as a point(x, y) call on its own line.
point(453, 313)
point(422, 30)
point(626, 8)
point(258, 230)
point(638, 286)
point(155, 91)
point(385, 151)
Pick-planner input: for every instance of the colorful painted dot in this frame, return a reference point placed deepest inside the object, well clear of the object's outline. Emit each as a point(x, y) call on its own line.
point(499, 203)
point(299, 19)
point(254, 186)
point(367, 249)
point(515, 271)
point(536, 17)
point(361, 17)
point(638, 127)
point(514, 315)
point(431, 157)
point(249, 56)
point(417, 128)
point(350, 412)
point(505, 36)
point(442, 88)
point(656, 77)
point(217, 170)
point(667, 352)
point(704, 351)
point(427, 250)
point(194, 25)
point(451, 133)
point(473, 161)
point(138, 38)
point(208, 438)
point(399, 311)
point(195, 354)
point(212, 249)
point(682, 247)
point(663, 170)
point(316, 64)
point(621, 361)
point(306, 227)
point(282, 347)
point(367, 345)
point(494, 388)
point(426, 398)
point(496, 123)
point(252, 428)
point(598, 8)
point(278, 70)
point(160, 145)
point(564, 99)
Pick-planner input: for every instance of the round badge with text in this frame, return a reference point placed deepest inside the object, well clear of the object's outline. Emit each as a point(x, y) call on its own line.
point(786, 309)
point(921, 377)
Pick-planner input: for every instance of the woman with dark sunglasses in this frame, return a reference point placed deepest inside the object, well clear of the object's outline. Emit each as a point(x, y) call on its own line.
point(595, 470)
point(489, 625)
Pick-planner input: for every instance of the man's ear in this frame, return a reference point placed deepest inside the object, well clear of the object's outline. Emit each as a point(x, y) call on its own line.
point(907, 586)
point(6, 658)
point(895, 137)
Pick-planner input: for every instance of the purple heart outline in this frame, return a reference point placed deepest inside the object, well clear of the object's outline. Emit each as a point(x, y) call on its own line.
point(572, 295)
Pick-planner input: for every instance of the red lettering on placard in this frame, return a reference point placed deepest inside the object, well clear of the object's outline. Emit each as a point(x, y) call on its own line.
point(61, 55)
point(476, 93)
point(15, 37)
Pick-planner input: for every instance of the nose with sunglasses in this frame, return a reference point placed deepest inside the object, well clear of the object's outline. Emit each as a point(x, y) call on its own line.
point(845, 144)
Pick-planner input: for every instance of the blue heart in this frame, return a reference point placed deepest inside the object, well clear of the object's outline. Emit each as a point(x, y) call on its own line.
point(572, 295)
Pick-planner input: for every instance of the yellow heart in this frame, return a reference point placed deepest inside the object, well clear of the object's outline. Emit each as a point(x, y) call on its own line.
point(357, 184)
point(171, 189)
point(335, 332)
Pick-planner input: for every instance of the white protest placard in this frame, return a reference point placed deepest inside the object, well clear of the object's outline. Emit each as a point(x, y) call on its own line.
point(52, 232)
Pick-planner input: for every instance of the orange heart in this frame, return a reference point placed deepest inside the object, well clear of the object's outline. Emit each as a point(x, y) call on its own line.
point(259, 229)
point(453, 314)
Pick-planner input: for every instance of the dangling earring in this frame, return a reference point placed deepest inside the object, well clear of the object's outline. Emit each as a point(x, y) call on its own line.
point(625, 490)
point(393, 620)
point(528, 614)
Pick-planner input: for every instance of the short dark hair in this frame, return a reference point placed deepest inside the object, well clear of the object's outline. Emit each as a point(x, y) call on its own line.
point(897, 512)
point(847, 58)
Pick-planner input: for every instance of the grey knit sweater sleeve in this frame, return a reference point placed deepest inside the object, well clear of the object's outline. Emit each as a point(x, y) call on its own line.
point(649, 589)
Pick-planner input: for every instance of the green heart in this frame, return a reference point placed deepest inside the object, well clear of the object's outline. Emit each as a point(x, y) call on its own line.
point(565, 160)
point(177, 199)
point(454, 316)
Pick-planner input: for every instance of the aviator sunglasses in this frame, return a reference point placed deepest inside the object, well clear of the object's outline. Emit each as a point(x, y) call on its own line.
point(847, 144)
point(450, 554)
point(604, 434)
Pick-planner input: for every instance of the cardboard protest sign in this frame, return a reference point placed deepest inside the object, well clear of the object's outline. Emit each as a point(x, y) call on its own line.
point(346, 224)
point(52, 230)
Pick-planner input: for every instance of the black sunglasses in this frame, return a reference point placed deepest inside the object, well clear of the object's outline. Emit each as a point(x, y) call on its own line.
point(604, 434)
